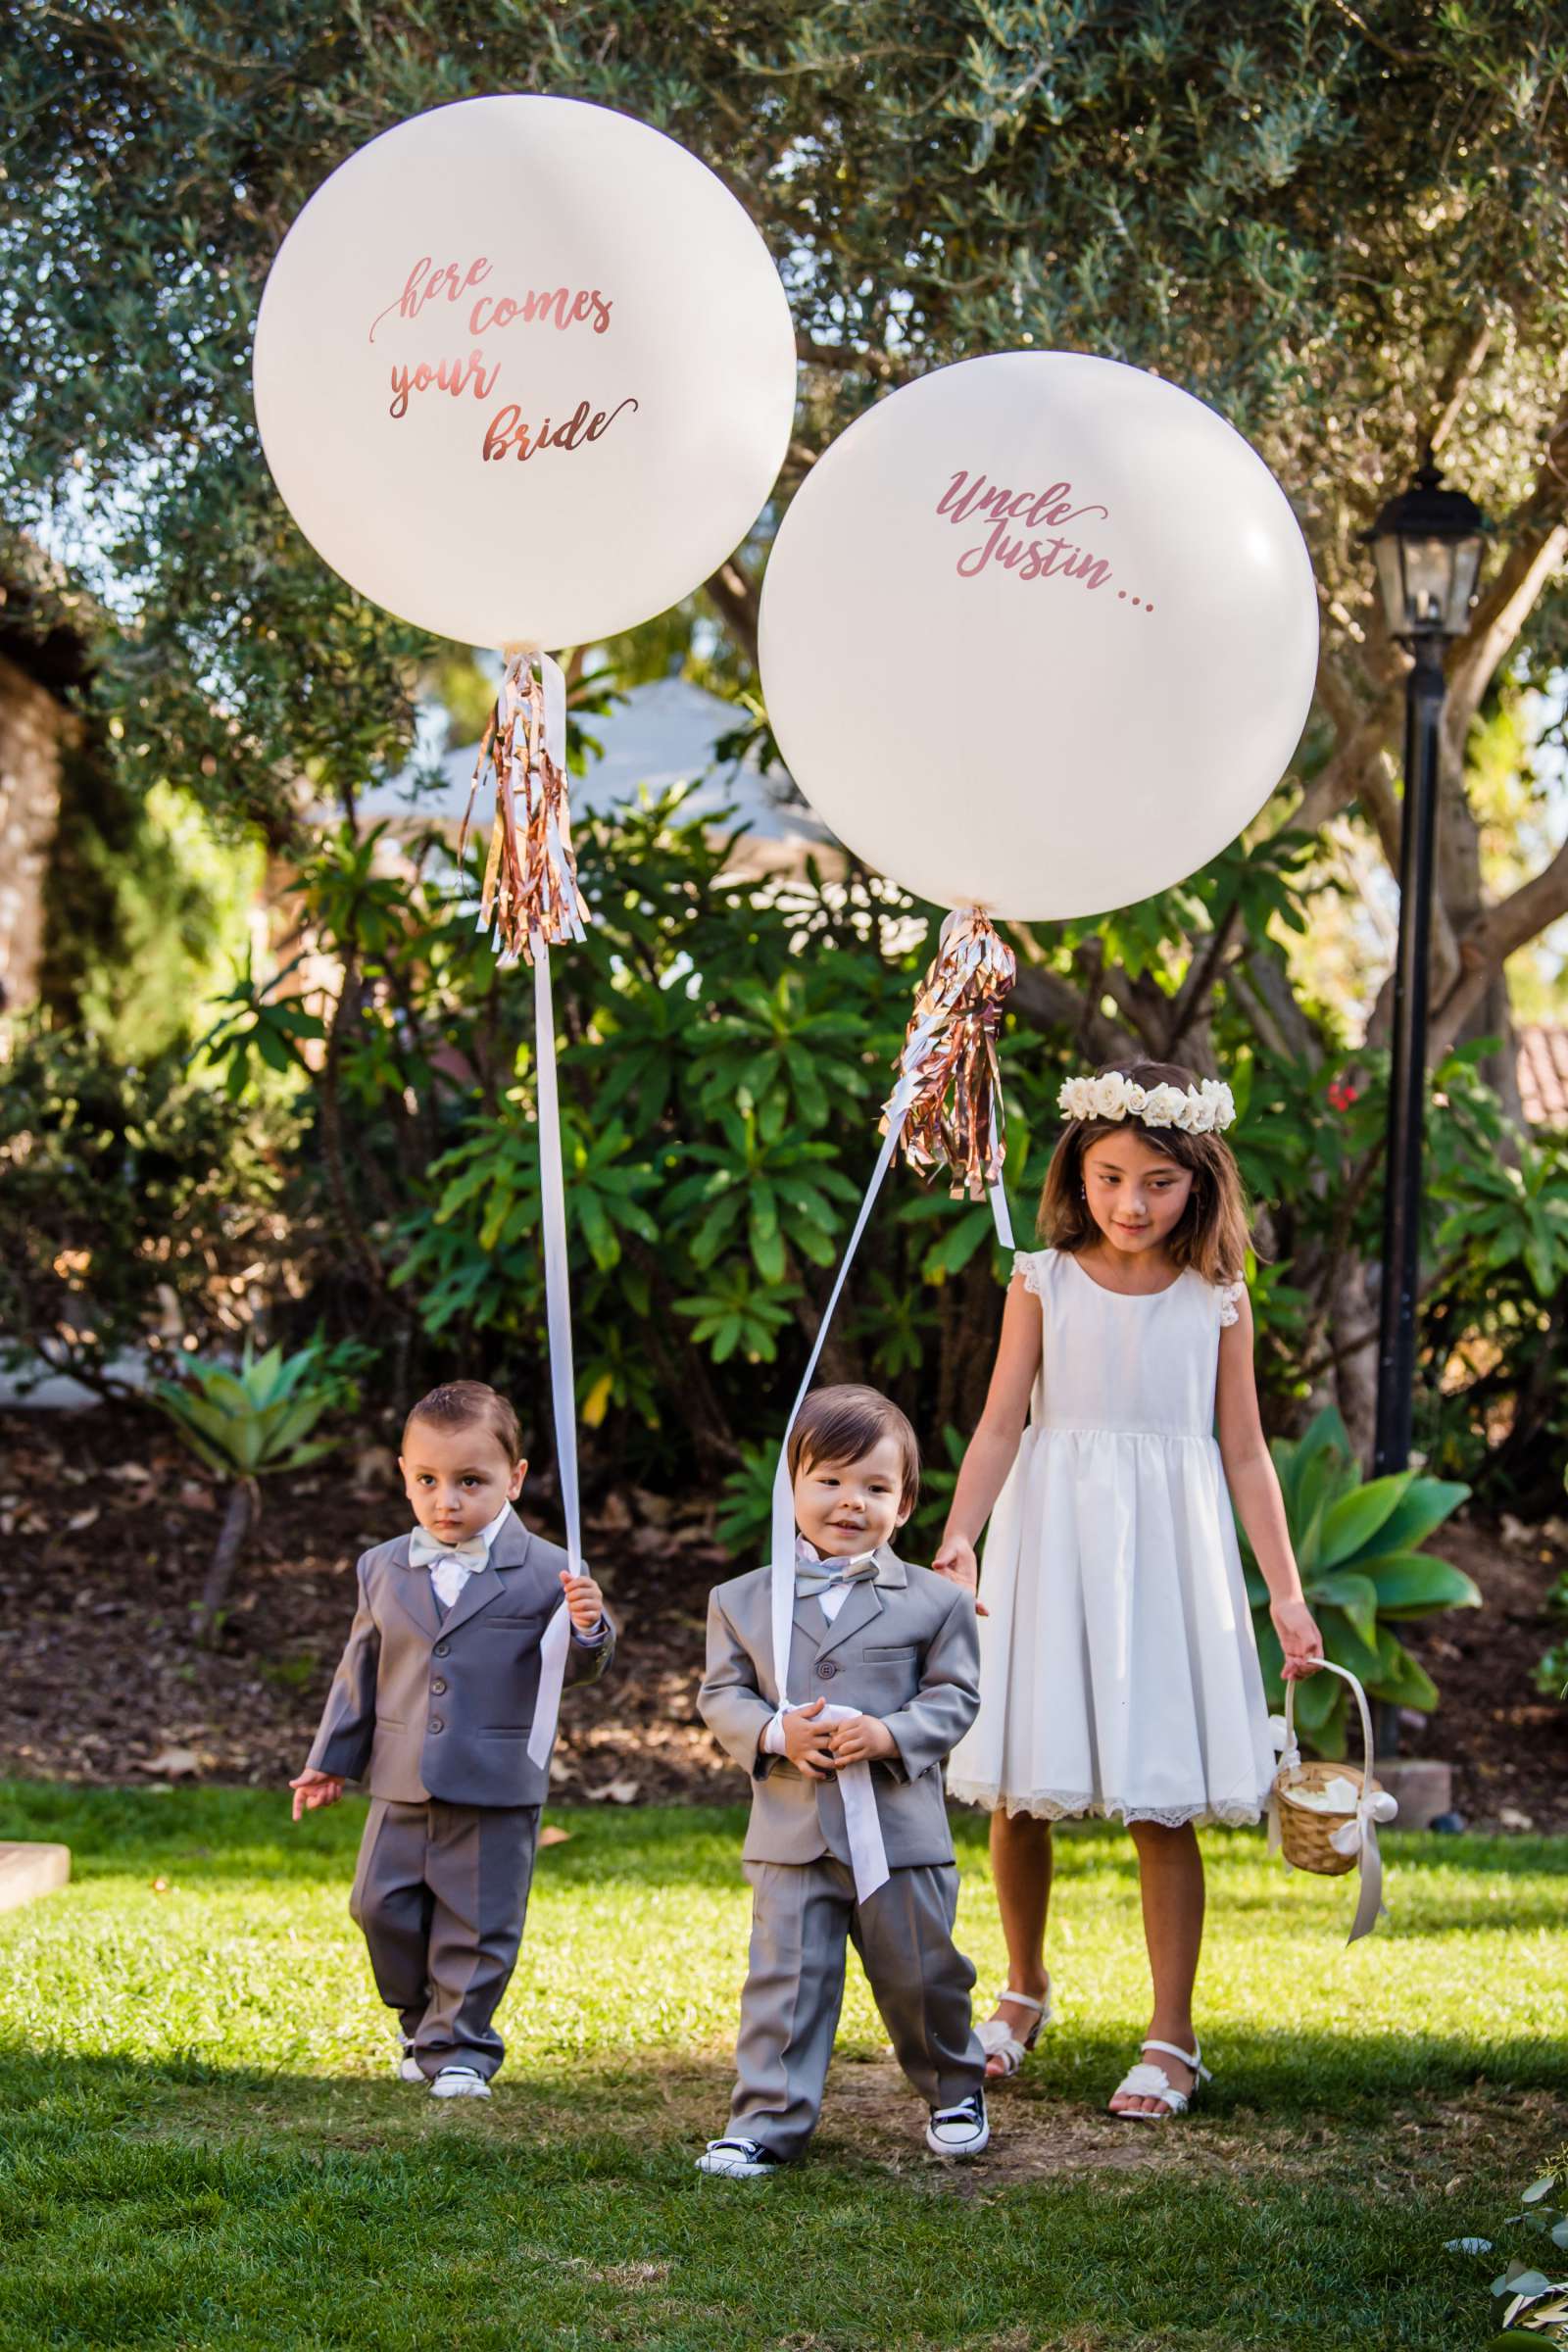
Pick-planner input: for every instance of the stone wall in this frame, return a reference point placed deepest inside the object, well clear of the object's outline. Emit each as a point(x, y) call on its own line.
point(34, 725)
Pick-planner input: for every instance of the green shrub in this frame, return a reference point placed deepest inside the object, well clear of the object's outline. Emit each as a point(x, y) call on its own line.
point(1358, 1544)
point(135, 1203)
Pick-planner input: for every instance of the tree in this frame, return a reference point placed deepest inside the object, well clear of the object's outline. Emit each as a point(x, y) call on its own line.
point(1346, 233)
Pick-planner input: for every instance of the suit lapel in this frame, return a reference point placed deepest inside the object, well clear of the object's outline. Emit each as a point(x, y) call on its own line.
point(864, 1604)
point(414, 1597)
point(510, 1550)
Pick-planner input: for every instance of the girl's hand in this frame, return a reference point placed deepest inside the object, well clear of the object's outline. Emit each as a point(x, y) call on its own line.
point(1299, 1637)
point(585, 1603)
point(807, 1743)
point(956, 1562)
point(864, 1740)
point(314, 1789)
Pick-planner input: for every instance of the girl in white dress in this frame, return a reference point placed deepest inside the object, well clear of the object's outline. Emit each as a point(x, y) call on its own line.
point(1119, 1674)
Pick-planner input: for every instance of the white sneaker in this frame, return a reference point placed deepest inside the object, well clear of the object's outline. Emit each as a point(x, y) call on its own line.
point(406, 2066)
point(739, 2160)
point(458, 2082)
point(961, 2131)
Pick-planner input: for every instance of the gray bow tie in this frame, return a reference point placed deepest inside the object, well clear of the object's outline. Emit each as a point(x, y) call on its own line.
point(425, 1551)
point(816, 1576)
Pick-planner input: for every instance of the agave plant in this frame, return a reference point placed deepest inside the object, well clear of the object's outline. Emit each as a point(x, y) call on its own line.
point(245, 1424)
point(1358, 1547)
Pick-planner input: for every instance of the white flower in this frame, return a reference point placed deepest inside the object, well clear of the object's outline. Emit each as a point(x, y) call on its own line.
point(1163, 1105)
point(1199, 1110)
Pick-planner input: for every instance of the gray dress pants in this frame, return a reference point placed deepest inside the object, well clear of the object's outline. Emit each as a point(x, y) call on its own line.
point(803, 1917)
point(439, 1896)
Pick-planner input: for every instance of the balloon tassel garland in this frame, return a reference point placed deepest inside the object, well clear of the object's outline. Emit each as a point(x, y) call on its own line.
point(529, 895)
point(951, 1049)
point(530, 901)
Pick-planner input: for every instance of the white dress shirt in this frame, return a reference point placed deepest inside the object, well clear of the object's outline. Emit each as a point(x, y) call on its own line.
point(450, 1574)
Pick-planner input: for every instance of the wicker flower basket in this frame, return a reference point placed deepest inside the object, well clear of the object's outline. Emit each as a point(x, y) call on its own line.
point(1305, 1830)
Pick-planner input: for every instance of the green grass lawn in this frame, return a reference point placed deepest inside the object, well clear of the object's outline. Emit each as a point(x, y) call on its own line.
point(201, 2144)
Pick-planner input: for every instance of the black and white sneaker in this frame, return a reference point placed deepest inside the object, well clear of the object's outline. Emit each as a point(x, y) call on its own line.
point(738, 2160)
point(406, 2066)
point(458, 2082)
point(961, 2131)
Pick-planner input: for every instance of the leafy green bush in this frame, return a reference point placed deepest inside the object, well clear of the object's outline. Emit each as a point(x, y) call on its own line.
point(135, 1203)
point(1357, 1543)
point(1494, 1400)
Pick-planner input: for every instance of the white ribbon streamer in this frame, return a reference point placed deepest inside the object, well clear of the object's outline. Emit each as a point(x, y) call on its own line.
point(783, 1532)
point(556, 1637)
point(863, 1824)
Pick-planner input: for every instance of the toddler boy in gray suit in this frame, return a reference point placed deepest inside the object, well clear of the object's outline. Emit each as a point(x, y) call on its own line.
point(890, 1656)
point(433, 1706)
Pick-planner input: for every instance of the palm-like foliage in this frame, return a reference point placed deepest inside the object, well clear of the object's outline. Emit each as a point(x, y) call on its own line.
point(256, 1419)
point(1358, 1544)
point(246, 1424)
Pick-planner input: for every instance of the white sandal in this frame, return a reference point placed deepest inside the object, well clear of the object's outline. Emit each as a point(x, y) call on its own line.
point(1152, 2083)
point(999, 2040)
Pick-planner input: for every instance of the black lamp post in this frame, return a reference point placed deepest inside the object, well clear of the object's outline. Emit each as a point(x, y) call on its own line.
point(1427, 543)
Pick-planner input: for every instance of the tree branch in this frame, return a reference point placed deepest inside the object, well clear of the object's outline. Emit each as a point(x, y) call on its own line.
point(1046, 1002)
point(1201, 974)
point(1469, 358)
point(848, 358)
point(1536, 553)
point(1488, 943)
point(1363, 741)
point(736, 599)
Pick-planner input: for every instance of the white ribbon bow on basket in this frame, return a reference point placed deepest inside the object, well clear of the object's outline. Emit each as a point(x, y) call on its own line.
point(1363, 1807)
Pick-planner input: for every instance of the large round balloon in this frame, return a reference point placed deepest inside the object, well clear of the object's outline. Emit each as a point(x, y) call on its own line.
point(524, 371)
point(1039, 634)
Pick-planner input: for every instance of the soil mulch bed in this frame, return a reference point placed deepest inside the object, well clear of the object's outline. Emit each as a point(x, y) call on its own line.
point(106, 1528)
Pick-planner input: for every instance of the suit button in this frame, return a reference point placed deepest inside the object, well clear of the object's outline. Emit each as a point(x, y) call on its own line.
point(441, 1648)
point(435, 1724)
point(827, 1670)
point(438, 1689)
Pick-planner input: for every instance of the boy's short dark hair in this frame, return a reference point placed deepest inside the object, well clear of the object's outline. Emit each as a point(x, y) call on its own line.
point(470, 1404)
point(841, 1424)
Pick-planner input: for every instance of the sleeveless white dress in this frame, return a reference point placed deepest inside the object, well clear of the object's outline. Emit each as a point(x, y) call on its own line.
point(1118, 1671)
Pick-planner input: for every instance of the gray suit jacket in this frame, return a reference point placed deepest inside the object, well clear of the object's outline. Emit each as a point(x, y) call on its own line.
point(904, 1646)
point(424, 1705)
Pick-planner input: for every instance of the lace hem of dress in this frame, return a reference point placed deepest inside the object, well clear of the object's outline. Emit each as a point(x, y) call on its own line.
point(1055, 1804)
point(1230, 1293)
point(1029, 1263)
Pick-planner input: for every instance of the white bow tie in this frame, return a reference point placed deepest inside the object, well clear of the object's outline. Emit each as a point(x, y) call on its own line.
point(450, 1564)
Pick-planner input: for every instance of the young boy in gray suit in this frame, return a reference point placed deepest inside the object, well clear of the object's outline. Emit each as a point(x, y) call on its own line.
point(434, 1706)
point(849, 1835)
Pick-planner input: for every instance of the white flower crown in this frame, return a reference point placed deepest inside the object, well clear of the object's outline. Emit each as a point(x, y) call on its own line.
point(1206, 1109)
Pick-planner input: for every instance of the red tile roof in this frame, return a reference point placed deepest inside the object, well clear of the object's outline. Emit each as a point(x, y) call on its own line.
point(1543, 1075)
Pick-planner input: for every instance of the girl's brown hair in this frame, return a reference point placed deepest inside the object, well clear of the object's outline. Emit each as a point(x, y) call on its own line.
point(1212, 1236)
point(470, 1404)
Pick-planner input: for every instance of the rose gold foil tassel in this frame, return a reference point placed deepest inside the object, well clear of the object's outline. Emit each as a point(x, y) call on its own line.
point(529, 895)
point(950, 1055)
